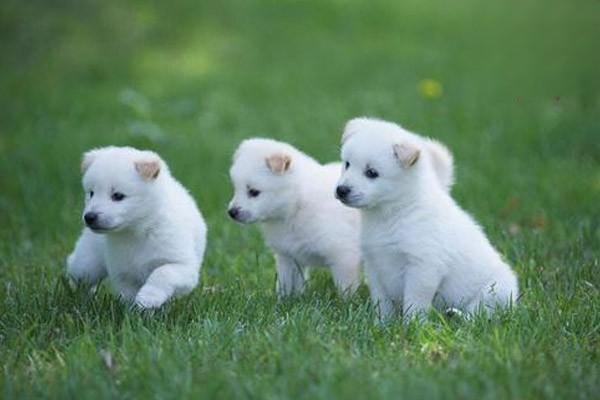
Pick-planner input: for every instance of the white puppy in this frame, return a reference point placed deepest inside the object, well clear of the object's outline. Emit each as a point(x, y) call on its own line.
point(143, 228)
point(291, 196)
point(419, 246)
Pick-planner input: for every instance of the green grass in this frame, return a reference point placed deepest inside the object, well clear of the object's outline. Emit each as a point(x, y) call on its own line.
point(520, 109)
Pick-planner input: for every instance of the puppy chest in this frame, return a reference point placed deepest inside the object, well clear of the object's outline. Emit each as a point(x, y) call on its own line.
point(130, 264)
point(389, 265)
point(297, 247)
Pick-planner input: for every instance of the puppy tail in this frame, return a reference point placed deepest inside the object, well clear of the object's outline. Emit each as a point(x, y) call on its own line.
point(443, 162)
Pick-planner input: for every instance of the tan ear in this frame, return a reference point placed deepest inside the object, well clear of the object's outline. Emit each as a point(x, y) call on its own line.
point(279, 163)
point(148, 169)
point(407, 154)
point(87, 160)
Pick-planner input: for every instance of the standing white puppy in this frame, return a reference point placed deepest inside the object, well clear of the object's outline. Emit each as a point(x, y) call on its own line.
point(291, 196)
point(419, 246)
point(143, 229)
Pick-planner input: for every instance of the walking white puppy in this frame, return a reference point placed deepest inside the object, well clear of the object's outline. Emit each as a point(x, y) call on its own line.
point(419, 246)
point(143, 229)
point(291, 196)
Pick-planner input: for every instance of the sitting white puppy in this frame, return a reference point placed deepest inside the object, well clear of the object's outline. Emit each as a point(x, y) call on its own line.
point(291, 196)
point(417, 243)
point(143, 228)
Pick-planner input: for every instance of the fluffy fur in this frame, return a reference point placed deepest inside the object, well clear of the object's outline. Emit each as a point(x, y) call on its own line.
point(419, 246)
point(291, 196)
point(143, 229)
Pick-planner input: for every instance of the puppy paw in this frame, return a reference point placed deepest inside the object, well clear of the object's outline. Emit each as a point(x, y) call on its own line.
point(70, 282)
point(150, 297)
point(419, 317)
point(78, 285)
point(452, 312)
point(456, 313)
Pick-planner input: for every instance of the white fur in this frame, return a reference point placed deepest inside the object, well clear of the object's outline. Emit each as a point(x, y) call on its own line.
point(301, 220)
point(419, 246)
point(150, 244)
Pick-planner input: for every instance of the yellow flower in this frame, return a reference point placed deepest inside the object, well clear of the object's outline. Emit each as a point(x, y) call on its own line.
point(430, 89)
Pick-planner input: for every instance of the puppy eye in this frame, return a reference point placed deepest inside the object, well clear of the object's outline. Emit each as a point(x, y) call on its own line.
point(117, 196)
point(253, 192)
point(371, 173)
point(346, 165)
point(91, 194)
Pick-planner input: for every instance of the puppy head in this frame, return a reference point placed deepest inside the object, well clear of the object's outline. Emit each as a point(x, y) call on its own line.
point(262, 177)
point(380, 162)
point(119, 185)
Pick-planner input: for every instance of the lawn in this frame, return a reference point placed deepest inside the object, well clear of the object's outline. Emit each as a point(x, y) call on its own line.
point(512, 87)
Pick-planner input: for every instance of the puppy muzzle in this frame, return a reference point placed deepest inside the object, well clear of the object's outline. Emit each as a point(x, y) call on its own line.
point(239, 215)
point(342, 192)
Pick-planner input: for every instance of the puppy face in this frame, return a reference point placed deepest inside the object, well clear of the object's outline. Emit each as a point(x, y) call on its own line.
point(261, 181)
point(378, 165)
point(118, 185)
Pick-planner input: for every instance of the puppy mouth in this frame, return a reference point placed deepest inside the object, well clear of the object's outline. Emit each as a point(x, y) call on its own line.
point(101, 229)
point(243, 219)
point(352, 201)
point(239, 215)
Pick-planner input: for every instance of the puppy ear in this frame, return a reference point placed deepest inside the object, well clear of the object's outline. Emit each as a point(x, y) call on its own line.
point(148, 169)
point(87, 160)
point(407, 154)
point(279, 163)
point(351, 128)
point(346, 135)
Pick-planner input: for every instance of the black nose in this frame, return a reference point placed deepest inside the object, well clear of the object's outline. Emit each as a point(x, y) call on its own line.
point(234, 212)
point(342, 191)
point(90, 218)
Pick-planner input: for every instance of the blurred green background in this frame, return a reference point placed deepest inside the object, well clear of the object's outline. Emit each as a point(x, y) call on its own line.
point(512, 87)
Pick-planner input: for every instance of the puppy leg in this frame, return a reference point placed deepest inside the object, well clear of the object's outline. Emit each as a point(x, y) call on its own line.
point(346, 276)
point(165, 282)
point(491, 298)
point(419, 290)
point(290, 276)
point(86, 263)
point(383, 303)
point(127, 292)
point(502, 292)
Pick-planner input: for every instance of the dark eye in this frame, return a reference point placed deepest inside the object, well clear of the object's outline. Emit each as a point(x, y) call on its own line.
point(346, 165)
point(117, 196)
point(253, 192)
point(371, 173)
point(91, 194)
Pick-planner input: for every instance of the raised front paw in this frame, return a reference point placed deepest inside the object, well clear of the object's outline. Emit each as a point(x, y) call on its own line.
point(150, 297)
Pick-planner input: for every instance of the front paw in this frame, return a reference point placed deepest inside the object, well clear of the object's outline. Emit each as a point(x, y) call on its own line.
point(79, 285)
point(417, 315)
point(150, 297)
point(70, 282)
point(456, 313)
